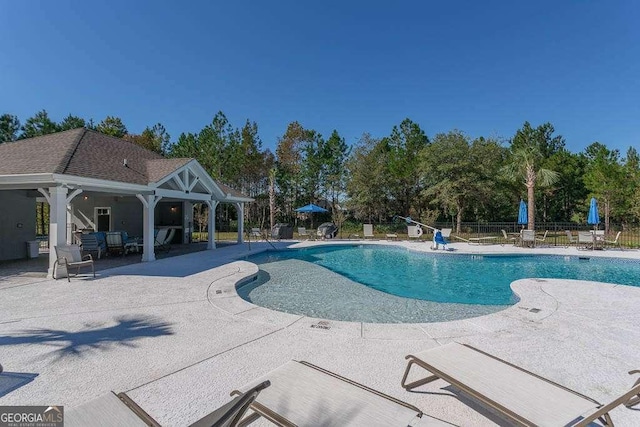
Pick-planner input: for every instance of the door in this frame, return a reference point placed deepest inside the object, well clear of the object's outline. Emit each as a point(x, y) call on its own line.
point(103, 219)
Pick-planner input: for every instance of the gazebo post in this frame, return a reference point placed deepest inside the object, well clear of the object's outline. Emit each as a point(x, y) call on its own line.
point(240, 208)
point(211, 224)
point(57, 198)
point(149, 203)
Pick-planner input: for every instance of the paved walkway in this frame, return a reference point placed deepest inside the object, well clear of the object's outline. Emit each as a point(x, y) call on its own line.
point(174, 335)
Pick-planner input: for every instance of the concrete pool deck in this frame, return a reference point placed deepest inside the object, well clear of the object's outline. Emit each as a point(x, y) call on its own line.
point(174, 335)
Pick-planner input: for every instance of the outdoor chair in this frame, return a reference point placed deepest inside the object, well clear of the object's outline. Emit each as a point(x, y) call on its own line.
point(302, 232)
point(302, 394)
point(162, 239)
point(507, 238)
point(90, 244)
point(255, 233)
point(295, 394)
point(544, 237)
point(585, 240)
point(528, 238)
point(598, 239)
point(570, 239)
point(120, 410)
point(615, 242)
point(117, 244)
point(69, 256)
point(367, 230)
point(414, 231)
point(517, 394)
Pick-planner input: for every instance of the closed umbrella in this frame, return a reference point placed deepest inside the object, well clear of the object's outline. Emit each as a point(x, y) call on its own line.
point(523, 218)
point(311, 208)
point(594, 217)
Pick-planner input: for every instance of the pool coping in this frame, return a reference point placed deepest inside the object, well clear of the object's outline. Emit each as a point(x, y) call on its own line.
point(534, 303)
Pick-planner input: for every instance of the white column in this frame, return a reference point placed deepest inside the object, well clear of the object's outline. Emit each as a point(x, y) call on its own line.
point(240, 208)
point(148, 219)
point(187, 221)
point(211, 226)
point(71, 214)
point(57, 223)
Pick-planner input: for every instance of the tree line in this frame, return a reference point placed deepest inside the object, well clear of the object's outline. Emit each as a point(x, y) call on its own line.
point(450, 177)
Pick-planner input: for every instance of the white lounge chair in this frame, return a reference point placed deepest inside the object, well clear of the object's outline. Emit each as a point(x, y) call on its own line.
point(256, 233)
point(615, 242)
point(302, 394)
point(69, 256)
point(570, 239)
point(528, 238)
point(586, 240)
point(295, 394)
point(302, 232)
point(367, 230)
point(513, 239)
point(544, 237)
point(414, 231)
point(519, 395)
point(111, 410)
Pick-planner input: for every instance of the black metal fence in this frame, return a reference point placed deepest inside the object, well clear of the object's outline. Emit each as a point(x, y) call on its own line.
point(556, 231)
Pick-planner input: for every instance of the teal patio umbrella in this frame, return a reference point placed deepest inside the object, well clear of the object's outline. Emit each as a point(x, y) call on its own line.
point(310, 209)
point(594, 217)
point(523, 218)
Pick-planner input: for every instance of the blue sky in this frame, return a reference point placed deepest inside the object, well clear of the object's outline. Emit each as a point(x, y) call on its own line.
point(355, 66)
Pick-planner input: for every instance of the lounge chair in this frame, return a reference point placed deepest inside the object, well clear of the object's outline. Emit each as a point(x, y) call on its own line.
point(367, 230)
point(570, 239)
point(302, 232)
point(256, 233)
point(120, 410)
point(69, 256)
point(615, 242)
point(295, 394)
point(528, 238)
point(544, 237)
point(302, 394)
point(414, 231)
point(116, 243)
point(507, 238)
point(598, 239)
point(585, 240)
point(519, 395)
point(90, 244)
point(162, 239)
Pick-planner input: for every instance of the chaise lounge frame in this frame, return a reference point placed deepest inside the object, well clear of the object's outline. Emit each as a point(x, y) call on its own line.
point(600, 412)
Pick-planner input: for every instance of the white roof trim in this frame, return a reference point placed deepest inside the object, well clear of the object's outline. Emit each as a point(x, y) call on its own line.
point(196, 169)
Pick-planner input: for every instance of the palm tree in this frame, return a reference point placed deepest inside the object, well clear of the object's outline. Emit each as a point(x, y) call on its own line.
point(525, 164)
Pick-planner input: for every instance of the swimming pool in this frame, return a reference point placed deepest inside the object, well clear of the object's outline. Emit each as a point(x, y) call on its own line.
point(373, 283)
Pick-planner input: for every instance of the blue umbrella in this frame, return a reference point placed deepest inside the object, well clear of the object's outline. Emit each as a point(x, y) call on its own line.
point(523, 218)
point(310, 208)
point(593, 218)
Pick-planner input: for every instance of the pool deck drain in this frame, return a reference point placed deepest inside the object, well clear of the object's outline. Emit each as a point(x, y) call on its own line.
point(163, 332)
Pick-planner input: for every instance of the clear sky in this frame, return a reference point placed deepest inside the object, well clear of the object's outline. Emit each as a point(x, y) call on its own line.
point(483, 67)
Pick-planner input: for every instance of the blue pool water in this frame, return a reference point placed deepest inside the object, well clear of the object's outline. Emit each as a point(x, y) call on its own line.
point(310, 281)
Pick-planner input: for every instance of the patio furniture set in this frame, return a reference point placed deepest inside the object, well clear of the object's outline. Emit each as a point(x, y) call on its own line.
point(112, 242)
point(299, 393)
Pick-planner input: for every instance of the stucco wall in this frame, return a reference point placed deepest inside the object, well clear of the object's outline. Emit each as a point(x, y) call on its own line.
point(17, 223)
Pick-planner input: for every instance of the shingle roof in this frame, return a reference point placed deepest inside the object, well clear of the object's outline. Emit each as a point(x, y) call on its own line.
point(86, 153)
point(159, 168)
point(228, 190)
point(43, 154)
point(90, 154)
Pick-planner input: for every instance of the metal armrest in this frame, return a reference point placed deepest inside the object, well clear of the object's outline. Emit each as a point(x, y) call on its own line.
point(87, 257)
